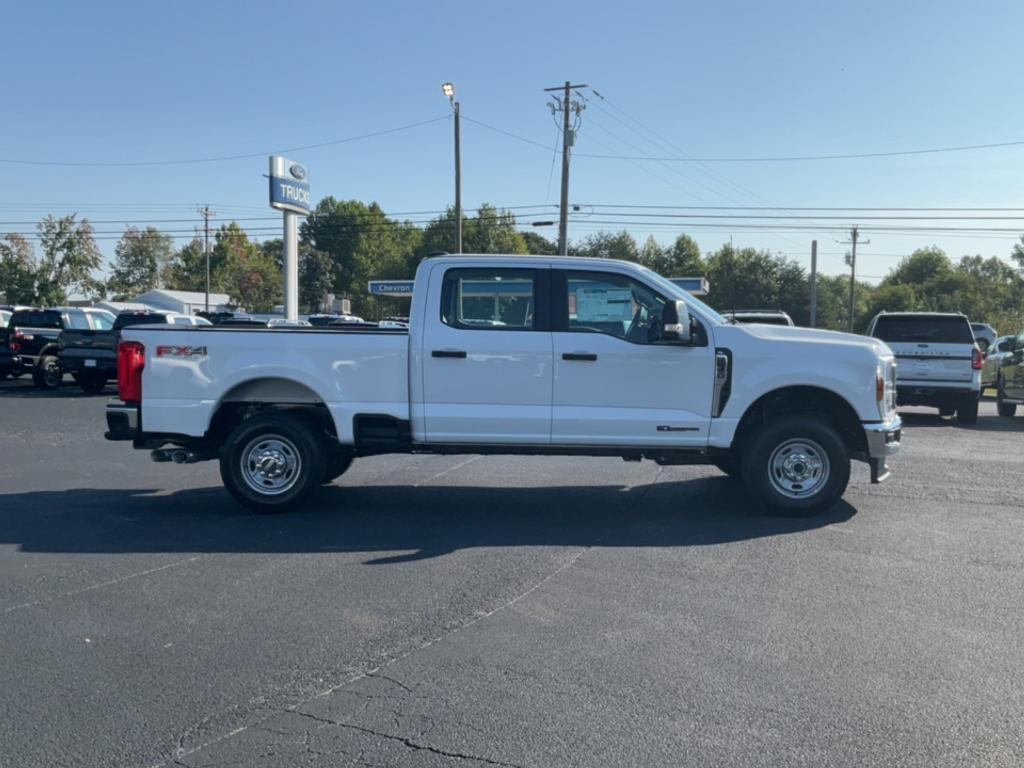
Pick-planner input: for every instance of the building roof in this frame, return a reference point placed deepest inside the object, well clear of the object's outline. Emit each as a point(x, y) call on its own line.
point(186, 297)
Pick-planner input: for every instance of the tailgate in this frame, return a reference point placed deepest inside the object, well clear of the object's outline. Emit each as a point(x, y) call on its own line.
point(939, 363)
point(88, 341)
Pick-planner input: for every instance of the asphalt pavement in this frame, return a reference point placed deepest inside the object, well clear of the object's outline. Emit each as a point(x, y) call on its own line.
point(511, 611)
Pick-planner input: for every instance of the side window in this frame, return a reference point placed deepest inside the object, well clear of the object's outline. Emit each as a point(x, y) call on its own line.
point(182, 321)
point(490, 299)
point(602, 302)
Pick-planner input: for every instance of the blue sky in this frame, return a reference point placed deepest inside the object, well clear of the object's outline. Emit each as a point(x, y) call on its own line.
point(123, 82)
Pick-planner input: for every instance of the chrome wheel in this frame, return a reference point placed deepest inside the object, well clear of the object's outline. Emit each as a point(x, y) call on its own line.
point(798, 468)
point(271, 465)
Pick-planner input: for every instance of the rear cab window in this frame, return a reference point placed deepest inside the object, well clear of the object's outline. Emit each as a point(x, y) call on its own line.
point(142, 318)
point(499, 299)
point(36, 318)
point(924, 329)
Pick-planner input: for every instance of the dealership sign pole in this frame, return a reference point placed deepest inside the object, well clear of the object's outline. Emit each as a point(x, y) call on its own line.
point(289, 193)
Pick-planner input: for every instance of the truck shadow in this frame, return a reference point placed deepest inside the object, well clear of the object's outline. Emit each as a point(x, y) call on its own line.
point(395, 524)
point(23, 388)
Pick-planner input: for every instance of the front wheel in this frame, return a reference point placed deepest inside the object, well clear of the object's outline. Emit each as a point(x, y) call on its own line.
point(796, 464)
point(271, 461)
point(967, 411)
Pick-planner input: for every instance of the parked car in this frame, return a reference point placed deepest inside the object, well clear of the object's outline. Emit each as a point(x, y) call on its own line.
point(984, 335)
point(1002, 347)
point(322, 320)
point(90, 354)
point(939, 363)
point(763, 316)
point(591, 357)
point(33, 336)
point(1010, 378)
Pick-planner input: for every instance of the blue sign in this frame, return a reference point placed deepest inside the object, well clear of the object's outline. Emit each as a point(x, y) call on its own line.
point(289, 185)
point(289, 195)
point(391, 287)
point(698, 286)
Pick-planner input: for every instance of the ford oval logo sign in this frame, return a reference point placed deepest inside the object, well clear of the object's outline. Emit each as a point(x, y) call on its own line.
point(297, 171)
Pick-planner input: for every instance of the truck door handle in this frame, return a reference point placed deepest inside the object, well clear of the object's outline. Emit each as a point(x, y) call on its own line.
point(586, 356)
point(448, 353)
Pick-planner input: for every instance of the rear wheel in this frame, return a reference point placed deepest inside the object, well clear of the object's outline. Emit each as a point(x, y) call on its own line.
point(967, 411)
point(797, 465)
point(1002, 407)
point(271, 461)
point(92, 383)
point(47, 374)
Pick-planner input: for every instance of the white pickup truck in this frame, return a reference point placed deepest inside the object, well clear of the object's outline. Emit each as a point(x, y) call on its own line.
point(524, 355)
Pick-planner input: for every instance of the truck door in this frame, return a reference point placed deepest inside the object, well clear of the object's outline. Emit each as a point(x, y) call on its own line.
point(486, 357)
point(616, 382)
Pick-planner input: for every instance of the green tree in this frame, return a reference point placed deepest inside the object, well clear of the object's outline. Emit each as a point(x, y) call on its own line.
point(69, 258)
point(246, 273)
point(490, 231)
point(539, 245)
point(681, 259)
point(18, 270)
point(607, 245)
point(140, 258)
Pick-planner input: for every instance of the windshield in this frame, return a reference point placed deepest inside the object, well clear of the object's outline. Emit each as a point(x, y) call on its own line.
point(673, 290)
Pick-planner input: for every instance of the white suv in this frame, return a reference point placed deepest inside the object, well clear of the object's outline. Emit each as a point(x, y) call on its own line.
point(938, 361)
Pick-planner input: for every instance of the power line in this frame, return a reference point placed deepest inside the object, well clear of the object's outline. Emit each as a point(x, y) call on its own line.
point(141, 163)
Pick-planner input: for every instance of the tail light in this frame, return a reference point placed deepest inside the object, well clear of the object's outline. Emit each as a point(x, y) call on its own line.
point(131, 359)
point(977, 359)
point(14, 344)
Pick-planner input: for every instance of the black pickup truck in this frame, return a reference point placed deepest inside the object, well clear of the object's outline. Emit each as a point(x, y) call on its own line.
point(33, 334)
point(90, 355)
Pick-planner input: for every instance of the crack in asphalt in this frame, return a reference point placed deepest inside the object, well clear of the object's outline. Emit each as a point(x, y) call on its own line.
point(405, 740)
point(480, 616)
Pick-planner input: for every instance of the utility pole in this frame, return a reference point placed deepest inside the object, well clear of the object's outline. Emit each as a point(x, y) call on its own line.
point(567, 106)
point(854, 239)
point(814, 283)
point(207, 214)
point(449, 90)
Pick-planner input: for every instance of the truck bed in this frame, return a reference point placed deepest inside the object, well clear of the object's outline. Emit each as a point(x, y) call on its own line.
point(189, 372)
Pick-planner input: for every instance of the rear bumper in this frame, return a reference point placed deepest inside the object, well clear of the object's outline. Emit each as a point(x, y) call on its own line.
point(122, 422)
point(936, 394)
point(81, 364)
point(882, 440)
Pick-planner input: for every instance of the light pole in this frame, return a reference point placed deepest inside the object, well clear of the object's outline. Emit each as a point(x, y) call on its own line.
point(449, 90)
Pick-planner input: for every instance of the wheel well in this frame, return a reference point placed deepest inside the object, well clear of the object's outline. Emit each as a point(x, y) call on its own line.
point(248, 398)
point(814, 401)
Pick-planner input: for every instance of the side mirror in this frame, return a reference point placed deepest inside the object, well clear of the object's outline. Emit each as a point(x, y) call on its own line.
point(676, 320)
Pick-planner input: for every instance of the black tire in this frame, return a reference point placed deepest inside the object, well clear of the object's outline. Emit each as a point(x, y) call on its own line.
point(780, 442)
point(967, 411)
point(287, 445)
point(947, 411)
point(336, 465)
point(728, 465)
point(1007, 410)
point(47, 374)
point(92, 383)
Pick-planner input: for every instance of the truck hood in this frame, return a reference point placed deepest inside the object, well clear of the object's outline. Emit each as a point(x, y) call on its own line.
point(809, 336)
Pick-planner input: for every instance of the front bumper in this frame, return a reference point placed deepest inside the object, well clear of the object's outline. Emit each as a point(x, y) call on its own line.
point(122, 422)
point(882, 440)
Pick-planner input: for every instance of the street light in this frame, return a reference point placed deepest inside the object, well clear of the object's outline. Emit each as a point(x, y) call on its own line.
point(449, 90)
